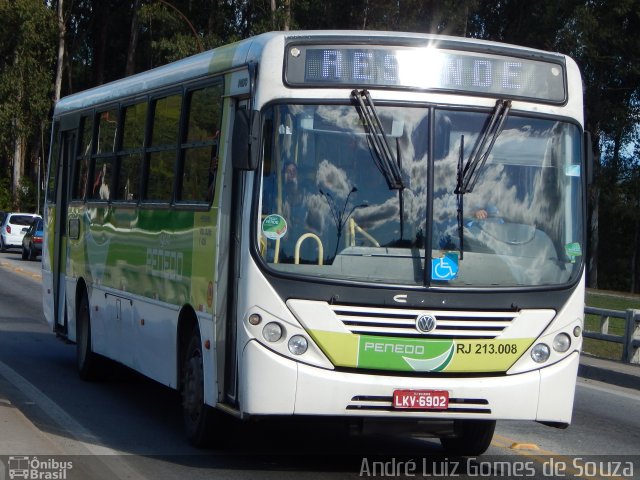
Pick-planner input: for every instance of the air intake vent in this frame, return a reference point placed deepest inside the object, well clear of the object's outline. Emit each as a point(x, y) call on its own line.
point(396, 322)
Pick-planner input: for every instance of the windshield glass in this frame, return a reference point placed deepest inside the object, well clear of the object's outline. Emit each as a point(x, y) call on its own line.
point(328, 210)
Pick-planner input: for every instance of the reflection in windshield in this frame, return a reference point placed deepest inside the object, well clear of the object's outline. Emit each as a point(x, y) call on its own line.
point(327, 210)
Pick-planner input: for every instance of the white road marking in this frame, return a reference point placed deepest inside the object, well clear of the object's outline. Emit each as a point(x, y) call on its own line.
point(86, 443)
point(628, 393)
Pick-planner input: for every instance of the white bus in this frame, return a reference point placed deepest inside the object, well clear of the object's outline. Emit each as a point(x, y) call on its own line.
point(364, 226)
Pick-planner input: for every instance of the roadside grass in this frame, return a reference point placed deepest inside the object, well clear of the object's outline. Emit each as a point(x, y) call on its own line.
point(609, 301)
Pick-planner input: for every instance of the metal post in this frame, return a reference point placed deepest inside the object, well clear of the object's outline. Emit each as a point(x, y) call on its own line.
point(604, 324)
point(38, 190)
point(631, 348)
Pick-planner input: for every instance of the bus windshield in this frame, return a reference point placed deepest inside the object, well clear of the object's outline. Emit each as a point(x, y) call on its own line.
point(329, 210)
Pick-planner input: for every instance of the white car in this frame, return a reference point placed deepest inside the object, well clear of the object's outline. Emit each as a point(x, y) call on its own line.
point(13, 228)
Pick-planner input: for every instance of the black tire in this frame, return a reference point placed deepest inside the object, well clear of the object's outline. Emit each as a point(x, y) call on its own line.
point(200, 420)
point(25, 255)
point(88, 362)
point(3, 247)
point(32, 254)
point(472, 437)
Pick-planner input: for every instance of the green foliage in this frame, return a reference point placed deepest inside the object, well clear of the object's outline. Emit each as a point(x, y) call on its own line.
point(619, 267)
point(603, 38)
point(27, 40)
point(5, 194)
point(27, 195)
point(27, 47)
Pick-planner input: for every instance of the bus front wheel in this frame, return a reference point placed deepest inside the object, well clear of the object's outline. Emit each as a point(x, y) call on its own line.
point(472, 437)
point(199, 418)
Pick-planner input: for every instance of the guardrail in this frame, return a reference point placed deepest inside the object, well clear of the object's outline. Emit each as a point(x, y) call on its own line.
point(630, 340)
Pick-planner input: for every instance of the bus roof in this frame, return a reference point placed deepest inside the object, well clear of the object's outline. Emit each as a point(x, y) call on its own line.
point(237, 54)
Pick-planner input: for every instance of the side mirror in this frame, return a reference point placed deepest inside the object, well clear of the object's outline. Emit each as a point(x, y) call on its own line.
point(245, 142)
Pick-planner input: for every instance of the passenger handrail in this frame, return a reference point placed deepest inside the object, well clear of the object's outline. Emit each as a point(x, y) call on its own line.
point(296, 255)
point(353, 228)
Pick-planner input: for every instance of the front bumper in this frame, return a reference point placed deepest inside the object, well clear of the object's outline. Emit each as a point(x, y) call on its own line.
point(274, 385)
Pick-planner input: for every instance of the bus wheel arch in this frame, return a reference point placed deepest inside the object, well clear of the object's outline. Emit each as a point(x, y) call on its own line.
point(187, 322)
point(200, 420)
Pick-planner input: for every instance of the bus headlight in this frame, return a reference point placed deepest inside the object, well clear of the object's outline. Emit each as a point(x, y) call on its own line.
point(298, 345)
point(540, 353)
point(561, 342)
point(272, 332)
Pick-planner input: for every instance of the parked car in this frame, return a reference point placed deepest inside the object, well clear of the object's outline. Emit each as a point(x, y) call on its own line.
point(32, 240)
point(14, 226)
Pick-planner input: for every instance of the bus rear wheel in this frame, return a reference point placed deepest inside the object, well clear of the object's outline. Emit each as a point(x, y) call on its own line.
point(472, 437)
point(200, 419)
point(86, 359)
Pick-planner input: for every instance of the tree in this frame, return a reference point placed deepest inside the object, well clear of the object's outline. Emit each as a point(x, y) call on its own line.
point(99, 41)
point(133, 39)
point(27, 56)
point(603, 38)
point(60, 61)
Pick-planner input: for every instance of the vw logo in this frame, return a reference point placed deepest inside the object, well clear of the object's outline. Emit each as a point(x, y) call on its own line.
point(425, 323)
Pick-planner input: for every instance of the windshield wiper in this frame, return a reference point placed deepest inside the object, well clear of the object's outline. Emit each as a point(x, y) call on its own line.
point(460, 198)
point(378, 142)
point(469, 176)
point(468, 173)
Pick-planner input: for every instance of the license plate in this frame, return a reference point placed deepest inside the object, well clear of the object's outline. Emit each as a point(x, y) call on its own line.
point(421, 399)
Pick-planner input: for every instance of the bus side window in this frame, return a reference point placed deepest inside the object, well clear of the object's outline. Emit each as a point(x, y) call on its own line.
point(162, 155)
point(54, 157)
point(81, 167)
point(130, 155)
point(100, 188)
point(200, 146)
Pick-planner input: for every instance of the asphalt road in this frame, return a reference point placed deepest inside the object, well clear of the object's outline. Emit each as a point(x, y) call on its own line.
point(129, 427)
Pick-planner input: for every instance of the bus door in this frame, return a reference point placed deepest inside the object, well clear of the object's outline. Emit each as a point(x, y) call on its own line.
point(231, 234)
point(235, 240)
point(59, 253)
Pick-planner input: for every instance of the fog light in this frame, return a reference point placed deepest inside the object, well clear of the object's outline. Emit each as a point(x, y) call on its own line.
point(255, 319)
point(561, 342)
point(298, 345)
point(272, 332)
point(577, 331)
point(540, 353)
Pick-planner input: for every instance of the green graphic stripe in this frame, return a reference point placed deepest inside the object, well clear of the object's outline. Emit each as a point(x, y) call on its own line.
point(421, 354)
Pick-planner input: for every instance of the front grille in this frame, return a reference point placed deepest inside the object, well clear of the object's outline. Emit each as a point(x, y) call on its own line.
point(385, 404)
point(397, 322)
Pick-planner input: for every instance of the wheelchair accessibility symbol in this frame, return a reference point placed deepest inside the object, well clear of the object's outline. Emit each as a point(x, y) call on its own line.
point(444, 268)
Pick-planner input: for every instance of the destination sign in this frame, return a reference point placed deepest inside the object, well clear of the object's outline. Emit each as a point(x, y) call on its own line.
point(426, 68)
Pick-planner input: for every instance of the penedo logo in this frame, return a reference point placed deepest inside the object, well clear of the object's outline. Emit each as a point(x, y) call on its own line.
point(33, 468)
point(404, 354)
